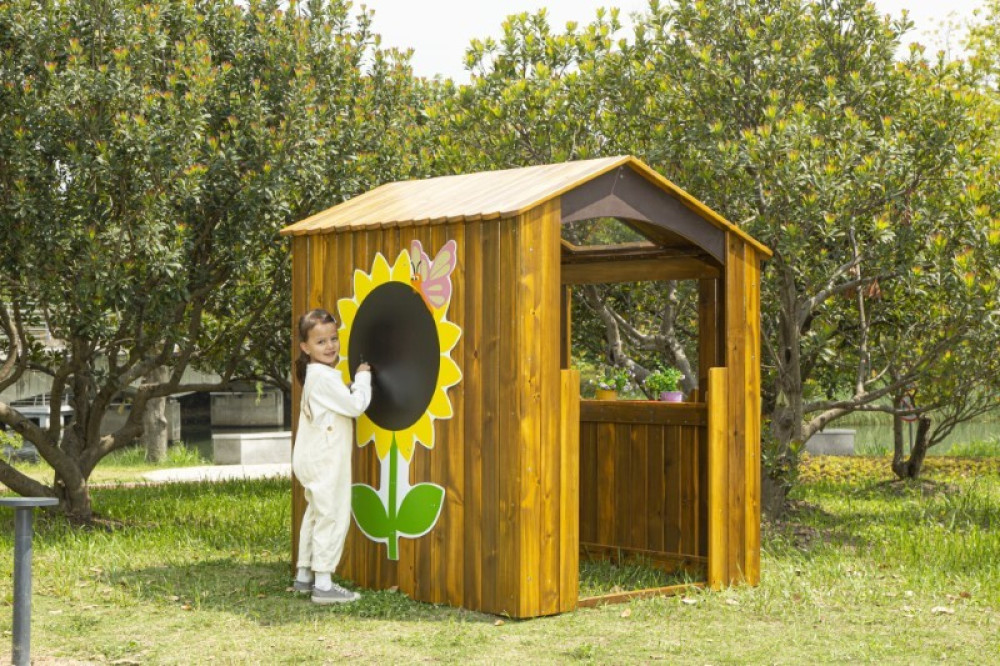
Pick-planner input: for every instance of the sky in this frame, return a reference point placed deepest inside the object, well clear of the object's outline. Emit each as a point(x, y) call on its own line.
point(439, 31)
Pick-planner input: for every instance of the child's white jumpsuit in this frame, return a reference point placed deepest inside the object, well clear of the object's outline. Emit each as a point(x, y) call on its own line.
point(321, 461)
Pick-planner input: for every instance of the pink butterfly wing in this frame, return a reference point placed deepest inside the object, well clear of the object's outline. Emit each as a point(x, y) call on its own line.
point(419, 260)
point(437, 285)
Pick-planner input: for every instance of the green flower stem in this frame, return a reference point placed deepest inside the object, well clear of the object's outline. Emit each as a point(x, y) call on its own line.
point(393, 464)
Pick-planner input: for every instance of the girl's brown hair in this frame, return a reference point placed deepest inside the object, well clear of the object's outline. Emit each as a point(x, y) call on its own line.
point(306, 323)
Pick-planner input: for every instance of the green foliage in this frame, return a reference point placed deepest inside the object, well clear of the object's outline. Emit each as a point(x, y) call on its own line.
point(615, 378)
point(150, 153)
point(873, 180)
point(976, 449)
point(663, 379)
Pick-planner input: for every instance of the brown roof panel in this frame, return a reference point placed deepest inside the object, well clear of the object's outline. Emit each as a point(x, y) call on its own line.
point(484, 195)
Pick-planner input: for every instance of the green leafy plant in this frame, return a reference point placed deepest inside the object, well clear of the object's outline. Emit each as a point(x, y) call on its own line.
point(616, 379)
point(664, 379)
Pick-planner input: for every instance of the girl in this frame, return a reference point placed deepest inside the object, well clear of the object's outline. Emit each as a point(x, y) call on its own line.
point(321, 459)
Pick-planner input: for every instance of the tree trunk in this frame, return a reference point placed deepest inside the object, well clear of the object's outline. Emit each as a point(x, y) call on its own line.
point(74, 499)
point(911, 468)
point(154, 419)
point(773, 496)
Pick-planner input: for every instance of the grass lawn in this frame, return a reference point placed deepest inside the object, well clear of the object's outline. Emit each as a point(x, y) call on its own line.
point(863, 570)
point(125, 466)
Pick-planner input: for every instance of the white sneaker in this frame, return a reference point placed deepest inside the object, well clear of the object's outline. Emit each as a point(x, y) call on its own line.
point(335, 595)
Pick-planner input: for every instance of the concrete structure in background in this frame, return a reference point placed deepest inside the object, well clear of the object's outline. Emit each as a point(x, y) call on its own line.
point(832, 442)
point(248, 409)
point(115, 418)
point(252, 448)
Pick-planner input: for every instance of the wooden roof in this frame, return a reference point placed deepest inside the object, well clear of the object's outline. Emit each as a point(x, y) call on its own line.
point(484, 196)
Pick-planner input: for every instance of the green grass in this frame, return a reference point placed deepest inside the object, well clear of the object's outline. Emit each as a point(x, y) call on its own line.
point(864, 569)
point(599, 577)
point(124, 466)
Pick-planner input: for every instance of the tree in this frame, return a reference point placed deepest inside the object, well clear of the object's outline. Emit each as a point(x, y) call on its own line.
point(149, 153)
point(540, 97)
point(868, 177)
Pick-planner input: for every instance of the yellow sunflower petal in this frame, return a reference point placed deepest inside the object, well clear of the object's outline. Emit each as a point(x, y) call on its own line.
point(362, 285)
point(345, 372)
point(380, 271)
point(448, 334)
point(448, 374)
point(440, 407)
point(383, 442)
point(401, 269)
point(423, 430)
point(365, 430)
point(347, 307)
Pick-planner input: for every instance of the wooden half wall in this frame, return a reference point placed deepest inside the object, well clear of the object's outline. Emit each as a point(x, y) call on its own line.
point(506, 541)
point(643, 468)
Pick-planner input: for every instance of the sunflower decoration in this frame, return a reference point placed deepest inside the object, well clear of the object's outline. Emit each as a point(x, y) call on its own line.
point(397, 322)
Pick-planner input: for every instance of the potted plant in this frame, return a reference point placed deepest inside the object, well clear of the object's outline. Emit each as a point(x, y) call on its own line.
point(665, 383)
point(615, 382)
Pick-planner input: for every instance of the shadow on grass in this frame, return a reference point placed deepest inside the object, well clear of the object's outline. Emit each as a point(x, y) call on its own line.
point(224, 546)
point(261, 592)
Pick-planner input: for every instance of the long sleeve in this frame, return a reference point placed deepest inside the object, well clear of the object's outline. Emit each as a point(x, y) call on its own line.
point(329, 394)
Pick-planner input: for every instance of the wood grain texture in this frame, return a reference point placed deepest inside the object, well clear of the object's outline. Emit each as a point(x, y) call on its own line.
point(642, 412)
point(638, 478)
point(491, 195)
point(492, 306)
point(622, 597)
point(508, 542)
point(550, 408)
point(531, 471)
point(736, 362)
point(528, 387)
point(718, 476)
point(753, 415)
point(570, 471)
point(472, 388)
point(638, 270)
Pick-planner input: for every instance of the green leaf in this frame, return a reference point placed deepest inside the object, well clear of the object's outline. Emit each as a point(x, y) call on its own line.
point(419, 510)
point(369, 512)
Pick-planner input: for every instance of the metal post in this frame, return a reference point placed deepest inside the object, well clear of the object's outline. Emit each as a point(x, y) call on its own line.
point(22, 585)
point(23, 513)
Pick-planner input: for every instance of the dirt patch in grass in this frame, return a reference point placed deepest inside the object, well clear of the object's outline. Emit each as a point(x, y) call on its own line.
point(926, 487)
point(803, 525)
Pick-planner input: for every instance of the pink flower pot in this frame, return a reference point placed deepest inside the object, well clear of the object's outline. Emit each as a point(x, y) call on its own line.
point(672, 396)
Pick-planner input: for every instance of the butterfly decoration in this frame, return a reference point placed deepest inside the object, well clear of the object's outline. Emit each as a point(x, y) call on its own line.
point(432, 279)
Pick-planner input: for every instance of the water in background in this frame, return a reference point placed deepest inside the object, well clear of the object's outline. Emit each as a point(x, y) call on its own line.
point(877, 438)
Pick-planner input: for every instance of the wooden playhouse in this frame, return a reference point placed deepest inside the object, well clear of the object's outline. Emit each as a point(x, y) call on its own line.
point(533, 477)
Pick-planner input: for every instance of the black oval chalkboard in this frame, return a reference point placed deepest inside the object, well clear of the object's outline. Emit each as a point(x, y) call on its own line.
point(396, 334)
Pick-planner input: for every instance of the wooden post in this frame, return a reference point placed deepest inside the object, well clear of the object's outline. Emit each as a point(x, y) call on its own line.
point(718, 472)
point(566, 328)
point(708, 331)
point(569, 490)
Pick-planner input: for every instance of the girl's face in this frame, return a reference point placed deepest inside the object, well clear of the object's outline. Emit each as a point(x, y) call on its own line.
point(323, 345)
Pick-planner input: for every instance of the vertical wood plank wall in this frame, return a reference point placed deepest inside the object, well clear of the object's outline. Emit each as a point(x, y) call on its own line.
point(504, 542)
point(718, 477)
point(741, 323)
point(641, 487)
point(522, 490)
